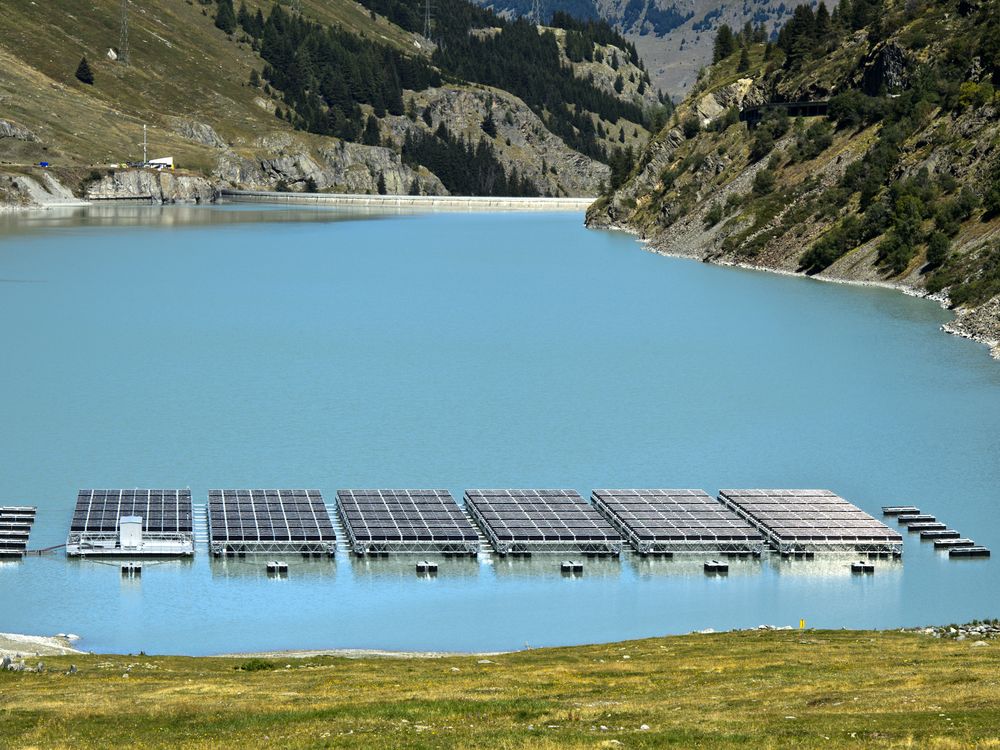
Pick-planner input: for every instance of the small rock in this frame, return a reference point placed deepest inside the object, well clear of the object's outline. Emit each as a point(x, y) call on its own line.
point(455, 669)
point(960, 637)
point(484, 661)
point(644, 728)
point(626, 657)
point(72, 669)
point(5, 662)
point(980, 643)
point(41, 667)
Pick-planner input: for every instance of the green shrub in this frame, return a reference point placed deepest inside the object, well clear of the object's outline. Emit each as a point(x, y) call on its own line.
point(691, 126)
point(713, 216)
point(255, 665)
point(764, 182)
point(937, 249)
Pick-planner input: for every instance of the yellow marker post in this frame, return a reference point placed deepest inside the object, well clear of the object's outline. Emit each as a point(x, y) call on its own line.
point(802, 624)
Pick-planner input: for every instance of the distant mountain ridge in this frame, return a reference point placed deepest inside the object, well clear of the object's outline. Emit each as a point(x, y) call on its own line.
point(674, 37)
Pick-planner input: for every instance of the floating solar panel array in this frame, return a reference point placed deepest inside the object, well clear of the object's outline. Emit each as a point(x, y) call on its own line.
point(524, 521)
point(15, 526)
point(812, 521)
point(668, 521)
point(252, 521)
point(132, 522)
point(378, 521)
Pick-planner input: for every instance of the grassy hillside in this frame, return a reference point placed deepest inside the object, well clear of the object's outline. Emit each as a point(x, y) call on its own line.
point(767, 689)
point(898, 183)
point(271, 106)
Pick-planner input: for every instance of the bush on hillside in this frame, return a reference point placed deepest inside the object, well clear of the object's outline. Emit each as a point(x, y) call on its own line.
point(84, 73)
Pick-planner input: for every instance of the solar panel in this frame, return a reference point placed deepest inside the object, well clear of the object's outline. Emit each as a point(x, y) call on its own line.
point(166, 511)
point(541, 520)
point(167, 523)
point(15, 527)
point(242, 521)
point(676, 521)
point(811, 520)
point(405, 521)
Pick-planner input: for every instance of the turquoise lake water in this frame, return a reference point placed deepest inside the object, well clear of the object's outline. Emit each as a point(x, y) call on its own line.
point(257, 347)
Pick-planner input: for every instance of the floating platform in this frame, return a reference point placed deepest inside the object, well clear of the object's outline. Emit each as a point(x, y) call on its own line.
point(426, 567)
point(939, 534)
point(408, 521)
point(802, 521)
point(133, 523)
point(953, 543)
point(926, 526)
point(908, 518)
point(131, 570)
point(571, 567)
point(975, 551)
point(862, 567)
point(526, 521)
point(716, 567)
point(895, 510)
point(15, 528)
point(269, 521)
point(277, 569)
point(669, 521)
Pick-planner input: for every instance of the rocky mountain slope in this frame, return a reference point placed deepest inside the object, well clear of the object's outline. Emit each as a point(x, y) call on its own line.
point(674, 37)
point(892, 177)
point(204, 96)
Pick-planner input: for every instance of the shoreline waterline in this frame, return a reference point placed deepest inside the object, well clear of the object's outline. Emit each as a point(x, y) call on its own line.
point(942, 300)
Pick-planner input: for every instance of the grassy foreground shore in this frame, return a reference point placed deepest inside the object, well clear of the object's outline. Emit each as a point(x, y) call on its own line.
point(764, 689)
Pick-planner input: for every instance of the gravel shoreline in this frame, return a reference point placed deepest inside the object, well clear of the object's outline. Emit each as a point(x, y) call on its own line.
point(17, 644)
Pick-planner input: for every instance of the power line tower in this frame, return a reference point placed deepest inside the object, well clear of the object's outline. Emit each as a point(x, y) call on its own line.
point(123, 53)
point(536, 11)
point(427, 19)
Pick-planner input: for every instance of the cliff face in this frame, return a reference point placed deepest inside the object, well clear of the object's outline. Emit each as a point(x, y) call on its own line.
point(894, 187)
point(158, 187)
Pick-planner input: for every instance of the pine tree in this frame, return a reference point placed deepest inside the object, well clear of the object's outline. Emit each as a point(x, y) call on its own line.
point(490, 127)
point(254, 78)
point(225, 17)
point(84, 73)
point(744, 63)
point(380, 186)
point(725, 43)
point(371, 136)
point(414, 187)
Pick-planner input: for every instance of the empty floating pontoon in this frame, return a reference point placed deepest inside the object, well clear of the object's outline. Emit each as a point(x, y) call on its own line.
point(812, 521)
point(669, 521)
point(382, 521)
point(15, 527)
point(258, 521)
point(525, 521)
point(132, 523)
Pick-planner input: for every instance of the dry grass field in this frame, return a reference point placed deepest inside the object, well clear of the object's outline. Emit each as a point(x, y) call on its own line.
point(762, 689)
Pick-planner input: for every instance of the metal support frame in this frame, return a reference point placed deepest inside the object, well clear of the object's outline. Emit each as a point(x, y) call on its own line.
point(404, 546)
point(842, 545)
point(611, 547)
point(93, 543)
point(233, 547)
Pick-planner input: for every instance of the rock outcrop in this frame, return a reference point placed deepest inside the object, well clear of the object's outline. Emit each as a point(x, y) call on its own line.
point(522, 141)
point(199, 132)
point(159, 187)
point(334, 166)
point(10, 129)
